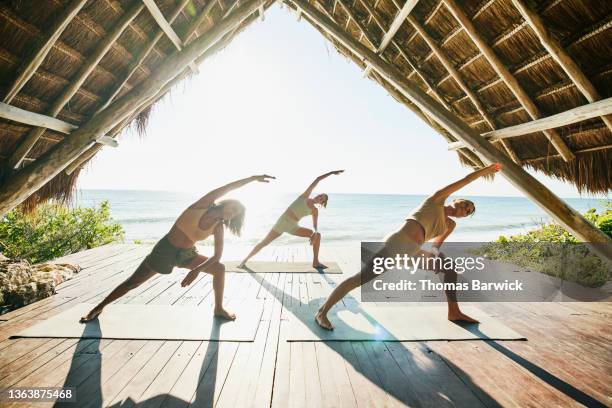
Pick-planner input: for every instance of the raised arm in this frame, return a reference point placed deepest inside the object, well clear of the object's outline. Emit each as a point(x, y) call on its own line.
point(316, 181)
point(217, 193)
point(445, 192)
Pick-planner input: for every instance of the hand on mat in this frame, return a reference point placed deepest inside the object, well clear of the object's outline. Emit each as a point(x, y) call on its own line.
point(190, 278)
point(323, 321)
point(264, 178)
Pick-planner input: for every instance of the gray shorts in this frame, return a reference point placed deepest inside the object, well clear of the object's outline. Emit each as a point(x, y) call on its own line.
point(165, 256)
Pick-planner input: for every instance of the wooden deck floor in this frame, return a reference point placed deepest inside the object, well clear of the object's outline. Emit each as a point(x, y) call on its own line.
point(567, 360)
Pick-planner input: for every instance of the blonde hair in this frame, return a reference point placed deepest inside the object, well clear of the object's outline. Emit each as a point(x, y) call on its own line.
point(463, 200)
point(237, 222)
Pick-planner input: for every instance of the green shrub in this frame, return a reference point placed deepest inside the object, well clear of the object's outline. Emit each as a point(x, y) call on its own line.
point(53, 230)
point(552, 250)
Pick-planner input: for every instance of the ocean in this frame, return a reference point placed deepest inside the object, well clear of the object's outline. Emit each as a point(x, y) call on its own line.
point(350, 218)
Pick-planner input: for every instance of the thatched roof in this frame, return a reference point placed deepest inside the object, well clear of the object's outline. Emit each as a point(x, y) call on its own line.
point(474, 91)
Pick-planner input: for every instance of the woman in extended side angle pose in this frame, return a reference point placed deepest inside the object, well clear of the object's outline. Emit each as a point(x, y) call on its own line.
point(288, 222)
point(177, 248)
point(431, 220)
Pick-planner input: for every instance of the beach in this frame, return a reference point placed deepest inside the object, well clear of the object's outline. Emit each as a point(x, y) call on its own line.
point(349, 219)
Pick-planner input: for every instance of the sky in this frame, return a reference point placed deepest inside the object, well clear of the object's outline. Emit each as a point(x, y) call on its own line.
point(280, 100)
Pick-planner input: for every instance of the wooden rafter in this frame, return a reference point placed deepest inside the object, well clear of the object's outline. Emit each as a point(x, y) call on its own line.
point(36, 119)
point(140, 59)
point(29, 68)
point(466, 153)
point(86, 69)
point(568, 217)
point(565, 61)
point(509, 79)
point(415, 70)
point(166, 27)
point(397, 22)
point(575, 115)
point(27, 180)
point(457, 77)
point(581, 151)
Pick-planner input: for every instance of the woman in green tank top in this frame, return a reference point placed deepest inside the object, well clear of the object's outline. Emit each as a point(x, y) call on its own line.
point(288, 222)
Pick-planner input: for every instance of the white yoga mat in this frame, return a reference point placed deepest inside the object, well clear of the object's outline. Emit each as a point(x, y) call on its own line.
point(151, 322)
point(281, 267)
point(389, 323)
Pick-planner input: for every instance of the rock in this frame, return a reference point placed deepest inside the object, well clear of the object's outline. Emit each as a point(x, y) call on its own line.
point(22, 283)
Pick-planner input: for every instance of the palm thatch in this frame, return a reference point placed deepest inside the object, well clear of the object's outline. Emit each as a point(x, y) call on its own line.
point(425, 46)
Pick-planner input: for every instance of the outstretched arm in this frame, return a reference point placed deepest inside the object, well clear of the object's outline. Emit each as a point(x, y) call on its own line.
point(445, 192)
point(215, 194)
point(312, 185)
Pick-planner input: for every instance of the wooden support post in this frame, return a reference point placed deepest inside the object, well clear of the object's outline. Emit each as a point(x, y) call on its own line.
point(27, 180)
point(28, 69)
point(32, 137)
point(589, 111)
point(561, 56)
point(509, 79)
point(539, 193)
point(457, 77)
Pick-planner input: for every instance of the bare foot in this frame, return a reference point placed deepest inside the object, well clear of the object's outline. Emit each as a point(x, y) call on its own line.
point(319, 265)
point(224, 314)
point(323, 321)
point(189, 278)
point(457, 316)
point(93, 314)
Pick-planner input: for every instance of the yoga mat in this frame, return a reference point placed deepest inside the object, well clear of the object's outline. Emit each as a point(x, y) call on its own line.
point(151, 322)
point(284, 267)
point(389, 323)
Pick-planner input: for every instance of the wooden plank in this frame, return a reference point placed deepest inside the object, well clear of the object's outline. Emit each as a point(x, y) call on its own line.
point(509, 79)
point(166, 28)
point(575, 115)
point(29, 68)
point(565, 61)
point(34, 119)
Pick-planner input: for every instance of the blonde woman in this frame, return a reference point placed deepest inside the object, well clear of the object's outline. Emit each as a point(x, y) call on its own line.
point(432, 220)
point(202, 219)
point(288, 222)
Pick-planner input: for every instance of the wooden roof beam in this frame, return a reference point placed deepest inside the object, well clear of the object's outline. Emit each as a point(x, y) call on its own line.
point(36, 119)
point(571, 68)
point(166, 28)
point(86, 69)
point(538, 192)
point(509, 79)
point(397, 22)
point(24, 182)
point(28, 69)
point(466, 153)
point(581, 151)
point(140, 59)
point(457, 77)
point(374, 15)
point(579, 114)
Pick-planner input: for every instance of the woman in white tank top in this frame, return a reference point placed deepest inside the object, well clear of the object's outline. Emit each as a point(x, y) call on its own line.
point(430, 221)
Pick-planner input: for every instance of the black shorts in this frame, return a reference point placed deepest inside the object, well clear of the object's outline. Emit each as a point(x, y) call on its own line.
point(165, 256)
